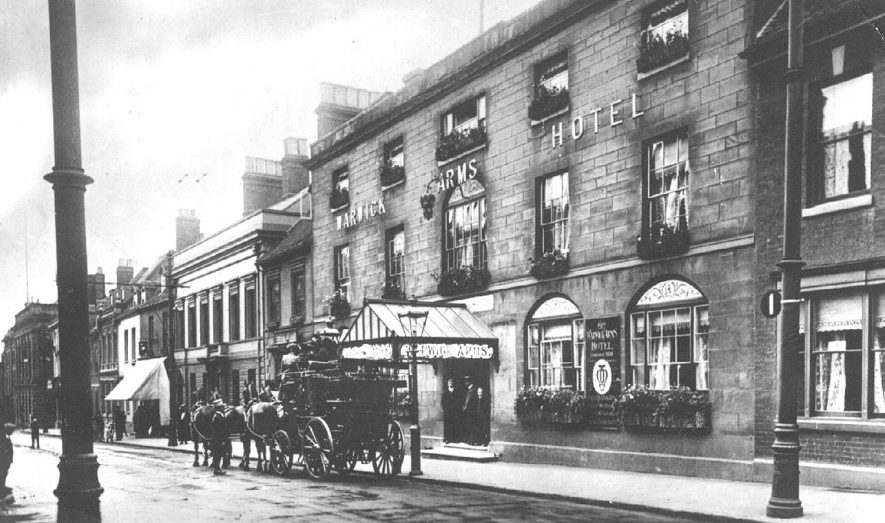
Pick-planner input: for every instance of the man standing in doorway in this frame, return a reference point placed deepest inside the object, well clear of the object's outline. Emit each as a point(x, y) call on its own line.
point(451, 405)
point(470, 411)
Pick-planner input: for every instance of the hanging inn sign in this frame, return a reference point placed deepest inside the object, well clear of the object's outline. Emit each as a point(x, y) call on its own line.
point(603, 339)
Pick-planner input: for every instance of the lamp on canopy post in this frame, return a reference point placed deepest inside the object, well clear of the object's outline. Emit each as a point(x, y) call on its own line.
point(414, 322)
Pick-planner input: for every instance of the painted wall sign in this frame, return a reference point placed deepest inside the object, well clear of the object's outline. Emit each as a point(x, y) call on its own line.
point(360, 214)
point(457, 175)
point(368, 351)
point(426, 351)
point(591, 121)
point(603, 337)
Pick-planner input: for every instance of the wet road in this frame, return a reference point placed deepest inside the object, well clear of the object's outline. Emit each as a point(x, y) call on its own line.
point(144, 484)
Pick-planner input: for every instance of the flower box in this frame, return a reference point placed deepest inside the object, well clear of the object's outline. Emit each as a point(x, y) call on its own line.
point(462, 280)
point(339, 307)
point(550, 264)
point(547, 406)
point(459, 141)
point(392, 174)
point(663, 242)
point(339, 199)
point(297, 320)
point(656, 51)
point(675, 411)
point(391, 290)
point(548, 102)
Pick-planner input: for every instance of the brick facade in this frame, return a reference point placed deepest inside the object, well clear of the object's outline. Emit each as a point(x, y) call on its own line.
point(707, 95)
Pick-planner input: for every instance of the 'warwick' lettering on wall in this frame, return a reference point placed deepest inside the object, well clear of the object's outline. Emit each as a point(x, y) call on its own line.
point(578, 126)
point(360, 214)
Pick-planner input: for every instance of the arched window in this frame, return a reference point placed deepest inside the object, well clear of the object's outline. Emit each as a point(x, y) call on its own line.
point(669, 337)
point(555, 345)
point(465, 227)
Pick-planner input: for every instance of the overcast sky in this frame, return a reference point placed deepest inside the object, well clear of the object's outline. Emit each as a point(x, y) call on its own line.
point(175, 87)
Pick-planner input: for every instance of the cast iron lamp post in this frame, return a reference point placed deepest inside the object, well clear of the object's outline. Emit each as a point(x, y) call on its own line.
point(78, 488)
point(414, 323)
point(785, 502)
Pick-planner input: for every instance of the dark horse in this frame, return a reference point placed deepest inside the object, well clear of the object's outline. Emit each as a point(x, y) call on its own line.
point(262, 420)
point(209, 423)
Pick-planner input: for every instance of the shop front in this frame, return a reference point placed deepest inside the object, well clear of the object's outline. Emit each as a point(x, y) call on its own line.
point(459, 348)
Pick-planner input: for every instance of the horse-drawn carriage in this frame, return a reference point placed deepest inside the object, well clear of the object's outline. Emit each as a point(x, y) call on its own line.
point(334, 418)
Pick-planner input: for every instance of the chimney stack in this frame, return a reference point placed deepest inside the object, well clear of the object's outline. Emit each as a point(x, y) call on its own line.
point(187, 229)
point(95, 287)
point(262, 184)
point(125, 272)
point(340, 103)
point(295, 175)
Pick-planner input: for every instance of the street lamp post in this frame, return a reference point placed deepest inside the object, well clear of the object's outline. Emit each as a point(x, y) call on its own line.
point(414, 323)
point(785, 502)
point(78, 488)
point(171, 365)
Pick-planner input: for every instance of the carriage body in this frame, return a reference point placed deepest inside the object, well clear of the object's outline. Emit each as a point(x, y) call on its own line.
point(336, 418)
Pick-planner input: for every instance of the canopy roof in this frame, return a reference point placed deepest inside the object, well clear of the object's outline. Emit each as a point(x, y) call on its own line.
point(451, 332)
point(147, 380)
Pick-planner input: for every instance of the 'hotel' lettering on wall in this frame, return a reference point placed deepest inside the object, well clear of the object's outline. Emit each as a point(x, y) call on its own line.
point(614, 111)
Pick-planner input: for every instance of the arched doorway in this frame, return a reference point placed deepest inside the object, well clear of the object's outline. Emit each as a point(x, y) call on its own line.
point(669, 328)
point(555, 344)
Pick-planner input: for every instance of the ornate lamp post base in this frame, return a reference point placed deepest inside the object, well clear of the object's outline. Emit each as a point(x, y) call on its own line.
point(415, 436)
point(78, 488)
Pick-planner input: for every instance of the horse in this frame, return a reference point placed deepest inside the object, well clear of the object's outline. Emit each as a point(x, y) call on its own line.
point(262, 420)
point(207, 422)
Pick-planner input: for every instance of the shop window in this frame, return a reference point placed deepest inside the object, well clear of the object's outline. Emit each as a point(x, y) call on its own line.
point(669, 336)
point(340, 195)
point(393, 163)
point(664, 38)
point(836, 352)
point(299, 294)
point(551, 87)
point(462, 129)
point(233, 312)
point(191, 324)
point(555, 346)
point(342, 270)
point(217, 318)
point(841, 159)
point(553, 214)
point(250, 310)
point(273, 300)
point(394, 284)
point(665, 197)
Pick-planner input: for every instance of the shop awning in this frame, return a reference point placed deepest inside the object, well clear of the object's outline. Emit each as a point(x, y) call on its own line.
point(451, 332)
point(147, 380)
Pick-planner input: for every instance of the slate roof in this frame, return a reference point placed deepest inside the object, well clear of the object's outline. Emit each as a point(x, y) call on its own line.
point(299, 237)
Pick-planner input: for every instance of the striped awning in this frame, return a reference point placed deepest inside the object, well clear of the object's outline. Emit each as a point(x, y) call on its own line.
point(381, 331)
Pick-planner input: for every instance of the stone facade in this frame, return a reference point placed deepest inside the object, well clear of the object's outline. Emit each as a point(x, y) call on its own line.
point(707, 94)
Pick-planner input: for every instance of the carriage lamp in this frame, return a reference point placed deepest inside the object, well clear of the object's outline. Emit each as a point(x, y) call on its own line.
point(414, 322)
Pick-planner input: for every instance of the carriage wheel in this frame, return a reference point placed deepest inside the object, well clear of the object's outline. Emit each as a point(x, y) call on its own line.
point(388, 457)
point(318, 448)
point(281, 453)
point(346, 461)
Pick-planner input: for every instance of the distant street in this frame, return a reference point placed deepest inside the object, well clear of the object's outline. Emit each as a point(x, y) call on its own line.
point(144, 484)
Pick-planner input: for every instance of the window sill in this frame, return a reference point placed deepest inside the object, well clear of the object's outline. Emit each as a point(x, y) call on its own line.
point(462, 155)
point(394, 184)
point(337, 209)
point(560, 112)
point(661, 68)
point(874, 426)
point(842, 204)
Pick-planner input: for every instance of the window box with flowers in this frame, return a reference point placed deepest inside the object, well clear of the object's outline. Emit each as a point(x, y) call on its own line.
point(550, 264)
point(339, 307)
point(459, 142)
point(549, 101)
point(391, 174)
point(664, 38)
point(546, 406)
point(462, 130)
point(663, 241)
point(338, 199)
point(675, 410)
point(392, 290)
point(402, 406)
point(462, 280)
point(297, 320)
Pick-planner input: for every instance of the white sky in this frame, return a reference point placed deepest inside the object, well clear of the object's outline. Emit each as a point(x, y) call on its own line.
point(169, 87)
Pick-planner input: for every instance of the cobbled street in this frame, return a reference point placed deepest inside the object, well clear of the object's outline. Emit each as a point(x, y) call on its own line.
point(143, 484)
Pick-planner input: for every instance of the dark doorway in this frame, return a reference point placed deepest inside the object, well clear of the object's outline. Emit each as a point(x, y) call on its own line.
point(466, 408)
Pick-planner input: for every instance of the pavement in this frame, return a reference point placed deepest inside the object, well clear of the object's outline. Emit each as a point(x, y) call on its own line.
point(694, 498)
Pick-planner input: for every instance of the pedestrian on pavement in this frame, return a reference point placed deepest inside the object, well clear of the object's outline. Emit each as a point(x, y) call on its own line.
point(35, 432)
point(5, 458)
point(246, 393)
point(451, 405)
point(184, 422)
point(119, 422)
point(219, 438)
point(98, 421)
